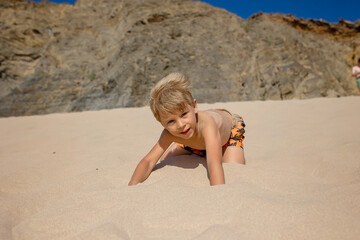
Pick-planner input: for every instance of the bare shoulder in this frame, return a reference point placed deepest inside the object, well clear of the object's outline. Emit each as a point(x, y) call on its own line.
point(207, 117)
point(208, 124)
point(220, 120)
point(166, 138)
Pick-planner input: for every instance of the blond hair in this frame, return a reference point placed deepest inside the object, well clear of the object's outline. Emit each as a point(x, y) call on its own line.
point(170, 94)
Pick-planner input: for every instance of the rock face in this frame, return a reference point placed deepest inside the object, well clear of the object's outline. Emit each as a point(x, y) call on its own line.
point(105, 54)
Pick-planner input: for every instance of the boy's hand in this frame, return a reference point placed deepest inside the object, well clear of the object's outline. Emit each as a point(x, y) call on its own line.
point(216, 173)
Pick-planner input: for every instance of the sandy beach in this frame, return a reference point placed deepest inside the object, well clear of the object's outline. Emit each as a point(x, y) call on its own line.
point(64, 176)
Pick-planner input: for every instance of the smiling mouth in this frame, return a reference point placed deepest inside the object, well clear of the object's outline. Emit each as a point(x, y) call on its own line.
point(186, 131)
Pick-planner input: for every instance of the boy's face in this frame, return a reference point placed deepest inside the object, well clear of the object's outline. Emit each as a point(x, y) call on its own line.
point(181, 123)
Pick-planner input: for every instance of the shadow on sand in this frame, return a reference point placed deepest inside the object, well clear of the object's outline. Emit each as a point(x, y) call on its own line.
point(183, 161)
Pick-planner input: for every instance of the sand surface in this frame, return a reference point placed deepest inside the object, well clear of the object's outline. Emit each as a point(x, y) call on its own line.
point(64, 176)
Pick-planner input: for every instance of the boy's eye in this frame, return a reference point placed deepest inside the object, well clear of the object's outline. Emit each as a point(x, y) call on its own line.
point(184, 114)
point(171, 121)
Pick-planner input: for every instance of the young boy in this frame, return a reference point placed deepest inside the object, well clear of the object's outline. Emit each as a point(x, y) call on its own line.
point(215, 134)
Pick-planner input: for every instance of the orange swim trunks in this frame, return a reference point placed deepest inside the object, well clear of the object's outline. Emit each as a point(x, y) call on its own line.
point(236, 136)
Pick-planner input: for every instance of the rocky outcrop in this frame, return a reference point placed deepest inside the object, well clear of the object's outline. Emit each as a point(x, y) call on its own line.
point(107, 54)
point(341, 30)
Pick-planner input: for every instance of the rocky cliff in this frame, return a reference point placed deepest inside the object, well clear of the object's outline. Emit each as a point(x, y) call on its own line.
point(108, 53)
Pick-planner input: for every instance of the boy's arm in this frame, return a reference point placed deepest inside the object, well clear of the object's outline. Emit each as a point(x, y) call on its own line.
point(146, 164)
point(213, 153)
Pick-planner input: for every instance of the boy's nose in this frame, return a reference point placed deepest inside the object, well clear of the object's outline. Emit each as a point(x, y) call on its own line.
point(180, 124)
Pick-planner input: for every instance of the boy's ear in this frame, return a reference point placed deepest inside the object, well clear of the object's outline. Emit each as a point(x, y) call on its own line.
point(195, 106)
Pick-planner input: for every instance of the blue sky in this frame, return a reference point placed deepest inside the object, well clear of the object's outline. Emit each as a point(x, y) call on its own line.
point(328, 10)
